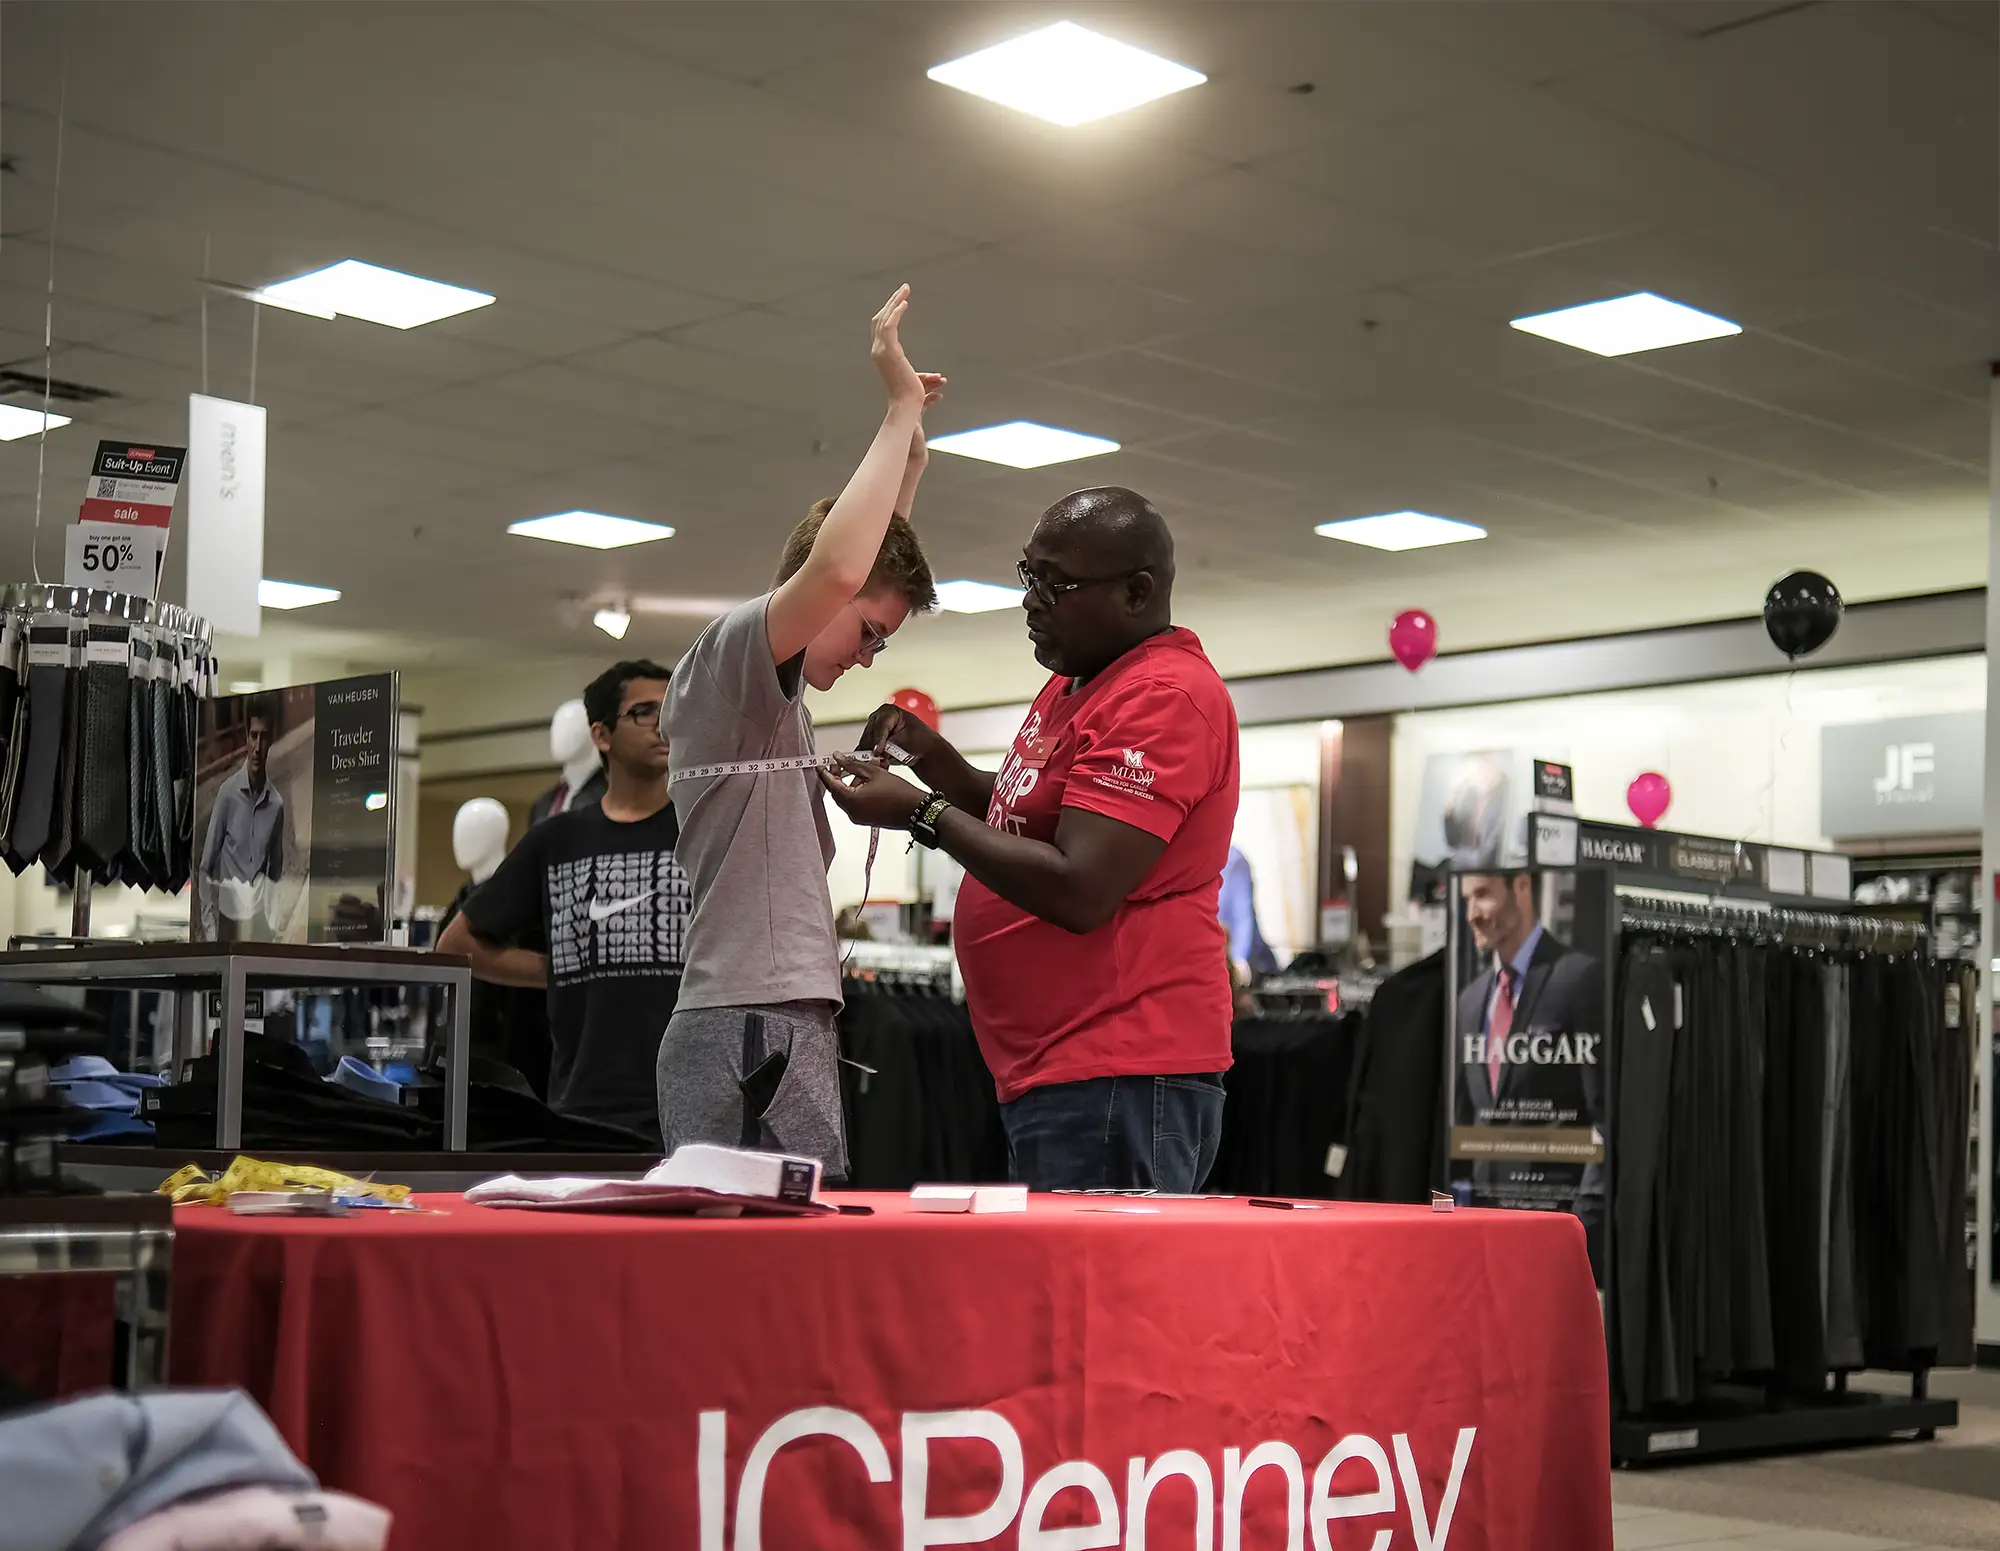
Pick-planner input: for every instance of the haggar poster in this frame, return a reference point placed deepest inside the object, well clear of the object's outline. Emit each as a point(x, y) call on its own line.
point(295, 813)
point(1530, 1061)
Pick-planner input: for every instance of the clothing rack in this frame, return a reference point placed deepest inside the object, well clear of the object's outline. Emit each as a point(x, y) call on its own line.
point(1754, 921)
point(1737, 1418)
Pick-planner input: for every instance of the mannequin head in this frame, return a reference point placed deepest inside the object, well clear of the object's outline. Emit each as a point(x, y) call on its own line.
point(570, 743)
point(479, 837)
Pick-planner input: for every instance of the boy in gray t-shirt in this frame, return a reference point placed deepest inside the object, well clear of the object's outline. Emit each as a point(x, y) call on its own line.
point(750, 1056)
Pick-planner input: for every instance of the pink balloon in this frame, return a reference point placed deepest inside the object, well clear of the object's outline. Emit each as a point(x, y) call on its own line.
point(1648, 797)
point(1413, 637)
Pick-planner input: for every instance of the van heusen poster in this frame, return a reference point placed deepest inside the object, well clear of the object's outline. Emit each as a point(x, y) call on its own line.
point(295, 813)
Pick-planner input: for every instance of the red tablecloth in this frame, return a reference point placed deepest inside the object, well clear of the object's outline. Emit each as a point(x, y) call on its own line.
point(543, 1381)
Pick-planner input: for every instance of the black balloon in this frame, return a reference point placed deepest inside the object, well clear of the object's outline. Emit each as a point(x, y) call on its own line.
point(1801, 613)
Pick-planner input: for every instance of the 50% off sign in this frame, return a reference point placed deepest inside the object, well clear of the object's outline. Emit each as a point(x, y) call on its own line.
point(114, 556)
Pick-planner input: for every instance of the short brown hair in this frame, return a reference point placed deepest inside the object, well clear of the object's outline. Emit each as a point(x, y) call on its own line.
point(900, 565)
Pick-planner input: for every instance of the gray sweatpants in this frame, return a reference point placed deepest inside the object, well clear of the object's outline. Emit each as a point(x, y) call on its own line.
point(701, 1067)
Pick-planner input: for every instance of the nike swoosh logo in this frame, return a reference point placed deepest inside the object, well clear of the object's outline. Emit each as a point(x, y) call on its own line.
point(603, 912)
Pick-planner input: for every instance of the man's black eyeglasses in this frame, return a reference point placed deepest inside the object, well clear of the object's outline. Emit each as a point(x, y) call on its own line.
point(641, 713)
point(1052, 593)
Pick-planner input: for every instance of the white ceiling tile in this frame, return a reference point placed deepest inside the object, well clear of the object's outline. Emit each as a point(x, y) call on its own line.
point(1839, 72)
point(1529, 40)
point(1178, 387)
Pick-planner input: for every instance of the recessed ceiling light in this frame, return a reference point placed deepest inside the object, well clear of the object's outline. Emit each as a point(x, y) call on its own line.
point(293, 595)
point(16, 422)
point(967, 597)
point(245, 686)
point(1400, 530)
point(613, 622)
point(687, 607)
point(1022, 444)
point(1066, 74)
point(353, 289)
point(592, 530)
point(1626, 325)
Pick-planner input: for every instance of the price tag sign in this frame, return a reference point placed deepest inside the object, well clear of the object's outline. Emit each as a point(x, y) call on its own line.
point(116, 556)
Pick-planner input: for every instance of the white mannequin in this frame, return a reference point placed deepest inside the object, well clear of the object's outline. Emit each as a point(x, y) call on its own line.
point(571, 747)
point(479, 837)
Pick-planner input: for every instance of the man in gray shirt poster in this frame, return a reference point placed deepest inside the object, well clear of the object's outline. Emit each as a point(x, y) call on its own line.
point(750, 1057)
point(244, 853)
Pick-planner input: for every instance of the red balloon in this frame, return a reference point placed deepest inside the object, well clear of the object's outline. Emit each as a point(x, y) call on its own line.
point(1413, 637)
point(1649, 796)
point(918, 704)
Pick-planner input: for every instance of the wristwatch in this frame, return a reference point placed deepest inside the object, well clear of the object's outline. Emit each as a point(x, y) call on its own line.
point(923, 827)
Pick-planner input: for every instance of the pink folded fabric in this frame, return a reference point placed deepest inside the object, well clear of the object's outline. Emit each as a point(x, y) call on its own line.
point(257, 1518)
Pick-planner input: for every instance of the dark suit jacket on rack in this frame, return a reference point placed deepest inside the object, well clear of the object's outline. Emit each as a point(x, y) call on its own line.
point(1562, 993)
point(585, 796)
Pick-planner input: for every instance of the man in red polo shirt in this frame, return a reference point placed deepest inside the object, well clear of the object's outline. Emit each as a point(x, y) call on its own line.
point(1094, 962)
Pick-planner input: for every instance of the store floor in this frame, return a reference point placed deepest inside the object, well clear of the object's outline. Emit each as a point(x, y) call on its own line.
point(1919, 1496)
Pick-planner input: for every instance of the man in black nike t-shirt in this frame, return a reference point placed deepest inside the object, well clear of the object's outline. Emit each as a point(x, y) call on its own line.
point(602, 906)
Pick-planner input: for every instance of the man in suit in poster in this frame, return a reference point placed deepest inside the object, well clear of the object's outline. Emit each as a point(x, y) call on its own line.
point(1530, 1051)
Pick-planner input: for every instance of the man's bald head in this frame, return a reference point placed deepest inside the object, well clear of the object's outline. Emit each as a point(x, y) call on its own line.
point(1114, 525)
point(1106, 562)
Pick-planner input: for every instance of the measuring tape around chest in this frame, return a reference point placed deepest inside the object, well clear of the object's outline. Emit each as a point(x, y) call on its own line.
point(783, 762)
point(801, 762)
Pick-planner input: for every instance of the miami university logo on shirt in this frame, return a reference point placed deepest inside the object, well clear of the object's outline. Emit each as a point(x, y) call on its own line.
point(1135, 758)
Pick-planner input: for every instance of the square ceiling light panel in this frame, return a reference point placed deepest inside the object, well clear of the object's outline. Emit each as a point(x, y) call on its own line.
point(591, 530)
point(16, 422)
point(352, 289)
point(968, 597)
point(1067, 75)
point(293, 595)
point(1400, 531)
point(1625, 325)
point(1022, 444)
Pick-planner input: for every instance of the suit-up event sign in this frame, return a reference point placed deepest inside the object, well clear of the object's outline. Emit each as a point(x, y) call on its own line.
point(120, 534)
point(1530, 1057)
point(295, 813)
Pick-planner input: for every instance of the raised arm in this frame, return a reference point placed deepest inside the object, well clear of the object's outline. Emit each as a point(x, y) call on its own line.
point(851, 537)
point(913, 469)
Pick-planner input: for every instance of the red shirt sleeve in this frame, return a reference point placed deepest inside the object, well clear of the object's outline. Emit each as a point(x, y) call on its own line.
point(1144, 757)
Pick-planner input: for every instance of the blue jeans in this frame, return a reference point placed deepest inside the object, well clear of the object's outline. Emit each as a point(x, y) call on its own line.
point(1117, 1133)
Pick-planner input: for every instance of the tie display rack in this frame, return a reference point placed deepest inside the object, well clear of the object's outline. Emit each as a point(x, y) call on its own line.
point(99, 706)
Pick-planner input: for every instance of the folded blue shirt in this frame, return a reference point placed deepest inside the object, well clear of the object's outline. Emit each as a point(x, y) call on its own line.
point(358, 1076)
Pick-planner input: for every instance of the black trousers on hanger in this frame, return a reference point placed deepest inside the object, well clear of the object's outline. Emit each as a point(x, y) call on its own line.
point(1645, 1052)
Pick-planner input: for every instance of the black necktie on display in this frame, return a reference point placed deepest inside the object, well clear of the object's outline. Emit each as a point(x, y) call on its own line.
point(58, 855)
point(160, 824)
point(35, 794)
point(17, 756)
point(104, 799)
point(132, 866)
point(180, 843)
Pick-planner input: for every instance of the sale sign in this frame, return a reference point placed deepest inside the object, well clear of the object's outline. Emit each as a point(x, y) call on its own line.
point(120, 536)
point(133, 485)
